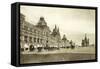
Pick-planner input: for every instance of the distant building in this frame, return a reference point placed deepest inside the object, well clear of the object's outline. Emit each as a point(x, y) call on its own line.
point(65, 42)
point(85, 41)
point(40, 35)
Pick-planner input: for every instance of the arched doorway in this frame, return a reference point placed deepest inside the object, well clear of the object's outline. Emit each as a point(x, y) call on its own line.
point(31, 47)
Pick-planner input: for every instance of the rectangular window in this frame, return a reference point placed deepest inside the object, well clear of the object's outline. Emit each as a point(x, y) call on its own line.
point(30, 39)
point(25, 28)
point(41, 40)
point(25, 38)
point(38, 40)
point(34, 31)
point(34, 39)
point(30, 29)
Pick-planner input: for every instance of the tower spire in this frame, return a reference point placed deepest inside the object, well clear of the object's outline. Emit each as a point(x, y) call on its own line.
point(58, 29)
point(55, 27)
point(85, 36)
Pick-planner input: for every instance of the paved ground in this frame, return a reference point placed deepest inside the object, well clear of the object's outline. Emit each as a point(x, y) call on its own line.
point(58, 55)
point(37, 58)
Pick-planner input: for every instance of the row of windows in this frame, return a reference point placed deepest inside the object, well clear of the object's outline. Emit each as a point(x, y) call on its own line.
point(35, 31)
point(38, 40)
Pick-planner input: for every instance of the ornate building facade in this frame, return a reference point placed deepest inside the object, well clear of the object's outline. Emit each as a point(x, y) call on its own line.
point(40, 35)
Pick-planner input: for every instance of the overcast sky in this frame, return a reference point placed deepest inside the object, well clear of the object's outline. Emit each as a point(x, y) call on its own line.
point(72, 22)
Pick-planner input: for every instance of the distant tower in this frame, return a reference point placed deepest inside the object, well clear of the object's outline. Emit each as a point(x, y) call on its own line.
point(64, 38)
point(85, 41)
point(54, 33)
point(58, 31)
point(55, 27)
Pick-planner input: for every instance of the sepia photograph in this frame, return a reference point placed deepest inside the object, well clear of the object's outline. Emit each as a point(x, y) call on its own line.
point(57, 34)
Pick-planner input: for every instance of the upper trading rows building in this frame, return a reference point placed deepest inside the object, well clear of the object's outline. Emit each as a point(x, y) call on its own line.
point(40, 35)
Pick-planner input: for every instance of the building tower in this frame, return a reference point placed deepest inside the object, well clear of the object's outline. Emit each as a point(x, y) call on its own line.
point(56, 35)
point(85, 41)
point(42, 22)
point(64, 38)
